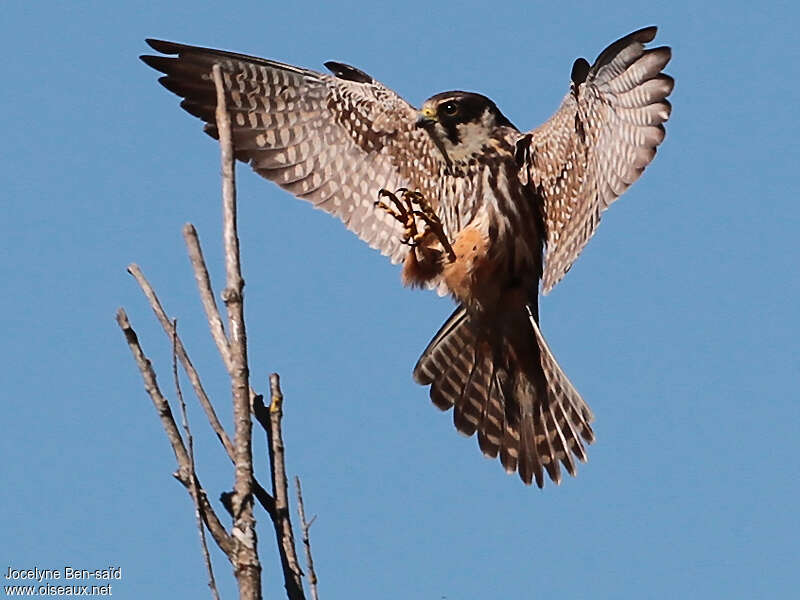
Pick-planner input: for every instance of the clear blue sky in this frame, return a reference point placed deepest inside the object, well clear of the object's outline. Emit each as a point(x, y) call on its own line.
point(678, 323)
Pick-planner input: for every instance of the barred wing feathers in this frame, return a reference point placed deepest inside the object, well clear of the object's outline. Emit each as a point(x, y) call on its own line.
point(598, 143)
point(333, 140)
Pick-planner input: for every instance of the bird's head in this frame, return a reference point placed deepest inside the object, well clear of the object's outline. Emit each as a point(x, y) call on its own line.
point(461, 124)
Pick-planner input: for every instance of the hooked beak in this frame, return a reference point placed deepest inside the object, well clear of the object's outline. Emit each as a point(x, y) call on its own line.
point(426, 118)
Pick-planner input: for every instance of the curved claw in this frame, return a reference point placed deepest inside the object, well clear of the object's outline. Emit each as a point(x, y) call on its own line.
point(401, 206)
point(398, 204)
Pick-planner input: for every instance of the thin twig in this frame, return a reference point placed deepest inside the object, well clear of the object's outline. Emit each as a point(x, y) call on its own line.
point(212, 584)
point(264, 498)
point(270, 419)
point(218, 532)
point(306, 525)
point(207, 293)
point(247, 565)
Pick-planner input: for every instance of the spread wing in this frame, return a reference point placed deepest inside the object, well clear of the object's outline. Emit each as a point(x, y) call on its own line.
point(598, 142)
point(332, 140)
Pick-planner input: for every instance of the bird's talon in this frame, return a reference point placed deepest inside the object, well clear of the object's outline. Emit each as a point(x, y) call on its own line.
point(401, 211)
point(401, 206)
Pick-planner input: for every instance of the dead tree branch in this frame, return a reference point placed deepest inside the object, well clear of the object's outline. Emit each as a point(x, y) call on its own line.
point(212, 584)
point(240, 545)
point(305, 526)
point(270, 420)
point(191, 372)
point(207, 295)
point(264, 498)
point(218, 531)
point(246, 563)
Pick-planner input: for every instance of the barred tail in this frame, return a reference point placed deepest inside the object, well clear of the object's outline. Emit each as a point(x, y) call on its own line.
point(504, 383)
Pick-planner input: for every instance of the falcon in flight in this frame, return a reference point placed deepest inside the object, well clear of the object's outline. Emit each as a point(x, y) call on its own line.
point(471, 206)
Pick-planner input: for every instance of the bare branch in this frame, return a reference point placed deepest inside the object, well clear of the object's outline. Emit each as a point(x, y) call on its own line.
point(264, 498)
point(270, 420)
point(212, 584)
point(212, 314)
point(246, 563)
point(207, 293)
point(191, 372)
point(306, 525)
point(241, 544)
point(183, 474)
point(206, 290)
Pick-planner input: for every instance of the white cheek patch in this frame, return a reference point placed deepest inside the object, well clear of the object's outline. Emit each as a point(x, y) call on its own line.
point(473, 137)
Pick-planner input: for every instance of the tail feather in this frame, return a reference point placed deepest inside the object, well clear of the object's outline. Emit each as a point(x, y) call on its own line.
point(470, 407)
point(445, 344)
point(574, 440)
point(448, 372)
point(448, 389)
point(519, 401)
point(490, 432)
point(550, 457)
point(530, 461)
point(560, 389)
point(564, 453)
point(509, 451)
point(469, 403)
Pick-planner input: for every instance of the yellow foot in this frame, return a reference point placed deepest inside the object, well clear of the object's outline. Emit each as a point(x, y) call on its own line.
point(409, 206)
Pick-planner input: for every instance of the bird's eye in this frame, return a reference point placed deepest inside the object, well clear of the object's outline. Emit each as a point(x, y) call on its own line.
point(449, 108)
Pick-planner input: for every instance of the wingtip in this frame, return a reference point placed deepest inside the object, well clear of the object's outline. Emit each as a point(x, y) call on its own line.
point(668, 80)
point(162, 46)
point(419, 376)
point(580, 70)
point(348, 72)
point(645, 34)
point(155, 62)
point(665, 50)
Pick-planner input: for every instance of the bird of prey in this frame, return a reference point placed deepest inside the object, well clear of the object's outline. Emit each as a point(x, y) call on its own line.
point(468, 203)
